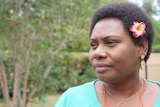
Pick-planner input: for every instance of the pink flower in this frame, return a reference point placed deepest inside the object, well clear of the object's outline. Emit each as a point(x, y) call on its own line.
point(138, 29)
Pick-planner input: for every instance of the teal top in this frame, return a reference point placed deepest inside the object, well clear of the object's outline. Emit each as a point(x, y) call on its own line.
point(85, 96)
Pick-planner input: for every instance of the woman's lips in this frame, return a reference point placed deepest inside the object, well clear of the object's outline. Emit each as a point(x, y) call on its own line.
point(101, 67)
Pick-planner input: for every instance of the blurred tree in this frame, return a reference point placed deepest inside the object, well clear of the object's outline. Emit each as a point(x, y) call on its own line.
point(158, 8)
point(148, 6)
point(32, 33)
point(153, 8)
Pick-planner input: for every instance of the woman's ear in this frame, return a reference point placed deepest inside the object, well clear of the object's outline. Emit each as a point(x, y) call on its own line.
point(143, 47)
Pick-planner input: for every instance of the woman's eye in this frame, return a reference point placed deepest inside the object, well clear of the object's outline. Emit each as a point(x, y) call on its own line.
point(93, 45)
point(111, 43)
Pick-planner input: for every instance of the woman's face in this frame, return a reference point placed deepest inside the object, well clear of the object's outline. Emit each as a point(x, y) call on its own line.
point(112, 53)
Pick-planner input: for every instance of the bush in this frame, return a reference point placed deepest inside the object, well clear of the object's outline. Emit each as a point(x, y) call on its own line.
point(156, 45)
point(71, 69)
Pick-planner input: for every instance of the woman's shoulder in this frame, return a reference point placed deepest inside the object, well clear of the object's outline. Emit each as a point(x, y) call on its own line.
point(79, 90)
point(83, 89)
point(87, 85)
point(154, 82)
point(151, 93)
point(157, 103)
point(75, 95)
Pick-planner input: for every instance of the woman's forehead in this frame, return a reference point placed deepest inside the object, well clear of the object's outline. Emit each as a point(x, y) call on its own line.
point(109, 26)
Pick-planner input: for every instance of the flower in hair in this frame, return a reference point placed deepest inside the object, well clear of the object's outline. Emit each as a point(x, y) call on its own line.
point(138, 29)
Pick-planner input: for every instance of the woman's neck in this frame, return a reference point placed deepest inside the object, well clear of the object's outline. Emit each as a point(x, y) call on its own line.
point(124, 89)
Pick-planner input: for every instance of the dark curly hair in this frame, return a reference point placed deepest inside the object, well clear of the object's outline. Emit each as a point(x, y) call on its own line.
point(128, 13)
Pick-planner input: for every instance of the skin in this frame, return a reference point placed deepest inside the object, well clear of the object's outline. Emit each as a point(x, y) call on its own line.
point(116, 60)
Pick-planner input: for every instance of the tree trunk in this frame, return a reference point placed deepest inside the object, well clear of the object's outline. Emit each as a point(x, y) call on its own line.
point(24, 104)
point(16, 91)
point(26, 75)
point(4, 84)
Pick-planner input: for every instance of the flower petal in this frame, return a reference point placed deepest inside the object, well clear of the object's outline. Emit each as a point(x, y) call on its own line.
point(138, 29)
point(135, 35)
point(132, 28)
point(136, 23)
point(143, 25)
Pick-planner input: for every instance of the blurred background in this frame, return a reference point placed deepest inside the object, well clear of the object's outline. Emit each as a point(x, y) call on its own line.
point(44, 48)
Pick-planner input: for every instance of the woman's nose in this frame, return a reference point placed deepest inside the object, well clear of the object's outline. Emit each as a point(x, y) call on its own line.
point(100, 53)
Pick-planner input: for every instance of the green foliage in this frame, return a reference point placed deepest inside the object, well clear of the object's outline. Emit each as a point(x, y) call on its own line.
point(36, 32)
point(71, 70)
point(150, 9)
point(156, 45)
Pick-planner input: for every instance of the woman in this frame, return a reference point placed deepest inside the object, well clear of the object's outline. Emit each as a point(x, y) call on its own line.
point(121, 37)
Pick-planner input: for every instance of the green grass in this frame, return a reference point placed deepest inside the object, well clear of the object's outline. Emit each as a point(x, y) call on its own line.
point(48, 101)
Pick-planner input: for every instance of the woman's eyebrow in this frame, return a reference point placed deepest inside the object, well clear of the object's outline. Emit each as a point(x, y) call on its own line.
point(106, 37)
